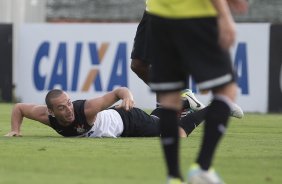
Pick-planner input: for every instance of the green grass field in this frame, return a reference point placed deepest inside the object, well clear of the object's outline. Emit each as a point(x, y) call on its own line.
point(251, 153)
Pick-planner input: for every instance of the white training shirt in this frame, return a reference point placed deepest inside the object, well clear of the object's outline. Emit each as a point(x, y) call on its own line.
point(108, 123)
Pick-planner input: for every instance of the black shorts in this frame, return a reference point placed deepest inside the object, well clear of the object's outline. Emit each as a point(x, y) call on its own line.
point(182, 47)
point(138, 123)
point(141, 47)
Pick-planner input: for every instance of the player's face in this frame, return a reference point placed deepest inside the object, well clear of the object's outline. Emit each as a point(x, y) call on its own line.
point(63, 108)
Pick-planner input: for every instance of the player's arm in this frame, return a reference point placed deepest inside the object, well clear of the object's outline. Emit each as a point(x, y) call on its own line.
point(226, 24)
point(31, 111)
point(93, 106)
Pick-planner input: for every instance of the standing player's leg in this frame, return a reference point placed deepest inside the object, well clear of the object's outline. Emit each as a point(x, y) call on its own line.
point(219, 78)
point(215, 127)
point(167, 80)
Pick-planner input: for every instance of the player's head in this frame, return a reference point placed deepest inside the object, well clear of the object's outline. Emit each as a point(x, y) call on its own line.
point(59, 105)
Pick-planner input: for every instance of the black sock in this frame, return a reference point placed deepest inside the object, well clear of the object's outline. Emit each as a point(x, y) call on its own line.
point(216, 121)
point(192, 120)
point(170, 140)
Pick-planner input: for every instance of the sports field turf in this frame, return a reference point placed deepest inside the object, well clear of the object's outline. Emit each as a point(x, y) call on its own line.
point(251, 153)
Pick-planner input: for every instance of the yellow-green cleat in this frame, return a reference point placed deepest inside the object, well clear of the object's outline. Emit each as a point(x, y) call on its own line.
point(174, 181)
point(196, 175)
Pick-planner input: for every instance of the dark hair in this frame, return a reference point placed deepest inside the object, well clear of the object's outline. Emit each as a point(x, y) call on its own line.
point(54, 93)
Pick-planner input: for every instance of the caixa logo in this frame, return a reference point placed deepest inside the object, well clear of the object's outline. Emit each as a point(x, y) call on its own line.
point(59, 74)
point(241, 68)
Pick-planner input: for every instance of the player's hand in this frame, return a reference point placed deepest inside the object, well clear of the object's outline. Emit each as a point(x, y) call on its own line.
point(13, 134)
point(127, 104)
point(238, 6)
point(227, 32)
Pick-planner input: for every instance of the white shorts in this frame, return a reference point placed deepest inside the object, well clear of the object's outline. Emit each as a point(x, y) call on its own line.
point(108, 123)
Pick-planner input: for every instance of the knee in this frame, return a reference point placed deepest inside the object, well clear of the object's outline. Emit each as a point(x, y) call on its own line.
point(228, 90)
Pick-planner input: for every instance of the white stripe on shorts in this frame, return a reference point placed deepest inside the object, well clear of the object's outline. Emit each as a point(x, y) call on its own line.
point(215, 82)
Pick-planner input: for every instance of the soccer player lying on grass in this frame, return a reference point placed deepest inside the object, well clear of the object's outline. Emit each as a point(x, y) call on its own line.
point(89, 118)
point(95, 117)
